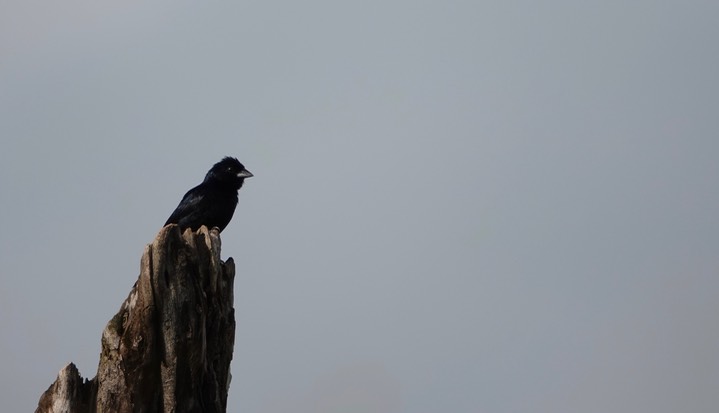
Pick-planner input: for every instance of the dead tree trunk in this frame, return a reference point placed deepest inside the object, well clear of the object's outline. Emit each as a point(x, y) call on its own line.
point(169, 347)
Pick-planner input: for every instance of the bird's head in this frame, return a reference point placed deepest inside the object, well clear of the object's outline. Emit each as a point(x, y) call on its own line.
point(229, 171)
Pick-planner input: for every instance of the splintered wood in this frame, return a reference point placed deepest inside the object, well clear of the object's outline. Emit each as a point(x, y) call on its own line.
point(169, 347)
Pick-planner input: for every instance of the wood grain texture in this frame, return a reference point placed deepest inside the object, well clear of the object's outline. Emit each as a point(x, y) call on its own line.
point(169, 347)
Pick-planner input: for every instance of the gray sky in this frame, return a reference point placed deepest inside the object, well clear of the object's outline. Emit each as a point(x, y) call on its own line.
point(457, 206)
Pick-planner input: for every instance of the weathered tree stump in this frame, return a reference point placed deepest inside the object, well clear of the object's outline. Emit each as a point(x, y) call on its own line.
point(169, 347)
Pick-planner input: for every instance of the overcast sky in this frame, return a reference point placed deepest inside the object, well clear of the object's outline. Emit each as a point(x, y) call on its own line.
point(458, 206)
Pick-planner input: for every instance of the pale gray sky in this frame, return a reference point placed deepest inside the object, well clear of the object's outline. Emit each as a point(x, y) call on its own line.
point(457, 206)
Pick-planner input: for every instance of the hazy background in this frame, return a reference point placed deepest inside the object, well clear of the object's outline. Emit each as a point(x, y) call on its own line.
point(458, 206)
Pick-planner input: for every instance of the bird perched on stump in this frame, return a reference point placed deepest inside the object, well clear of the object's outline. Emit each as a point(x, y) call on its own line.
point(212, 203)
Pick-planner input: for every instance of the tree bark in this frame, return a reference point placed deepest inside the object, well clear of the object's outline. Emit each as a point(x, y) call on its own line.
point(169, 347)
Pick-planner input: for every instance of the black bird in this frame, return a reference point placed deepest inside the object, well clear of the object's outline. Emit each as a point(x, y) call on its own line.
point(212, 202)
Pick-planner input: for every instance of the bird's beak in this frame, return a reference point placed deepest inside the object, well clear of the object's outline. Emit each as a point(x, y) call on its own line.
point(245, 174)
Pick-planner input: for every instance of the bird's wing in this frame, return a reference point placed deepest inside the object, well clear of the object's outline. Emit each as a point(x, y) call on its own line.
point(189, 208)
